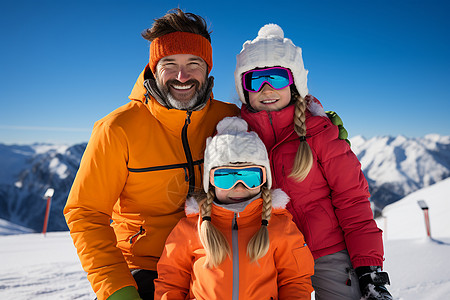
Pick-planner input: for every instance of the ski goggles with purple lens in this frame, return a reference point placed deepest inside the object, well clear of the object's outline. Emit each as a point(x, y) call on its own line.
point(226, 178)
point(277, 77)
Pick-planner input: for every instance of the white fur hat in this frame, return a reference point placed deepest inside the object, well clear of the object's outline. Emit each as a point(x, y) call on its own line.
point(269, 49)
point(233, 144)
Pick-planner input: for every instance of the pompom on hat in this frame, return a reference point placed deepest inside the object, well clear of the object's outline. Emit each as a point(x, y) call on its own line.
point(269, 49)
point(234, 144)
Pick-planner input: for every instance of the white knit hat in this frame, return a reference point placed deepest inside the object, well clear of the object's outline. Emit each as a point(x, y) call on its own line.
point(270, 49)
point(233, 144)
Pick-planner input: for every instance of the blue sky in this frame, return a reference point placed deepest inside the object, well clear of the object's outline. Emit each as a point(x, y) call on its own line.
point(384, 66)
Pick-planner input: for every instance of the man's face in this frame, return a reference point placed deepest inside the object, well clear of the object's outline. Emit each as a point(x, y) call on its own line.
point(181, 79)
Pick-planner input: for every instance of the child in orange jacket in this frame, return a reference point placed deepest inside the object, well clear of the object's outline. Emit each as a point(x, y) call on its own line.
point(238, 241)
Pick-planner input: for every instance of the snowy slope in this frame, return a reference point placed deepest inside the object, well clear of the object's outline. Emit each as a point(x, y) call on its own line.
point(7, 228)
point(419, 266)
point(405, 220)
point(36, 267)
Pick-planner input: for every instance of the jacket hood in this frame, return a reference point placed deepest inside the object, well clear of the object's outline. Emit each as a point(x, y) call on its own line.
point(279, 201)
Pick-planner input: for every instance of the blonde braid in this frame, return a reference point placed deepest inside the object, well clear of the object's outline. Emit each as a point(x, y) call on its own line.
point(267, 203)
point(259, 244)
point(214, 242)
point(303, 159)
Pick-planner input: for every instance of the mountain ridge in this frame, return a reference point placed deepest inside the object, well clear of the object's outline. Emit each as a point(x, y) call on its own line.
point(398, 166)
point(393, 166)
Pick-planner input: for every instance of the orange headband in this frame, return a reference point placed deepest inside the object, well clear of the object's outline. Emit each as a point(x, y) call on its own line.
point(180, 43)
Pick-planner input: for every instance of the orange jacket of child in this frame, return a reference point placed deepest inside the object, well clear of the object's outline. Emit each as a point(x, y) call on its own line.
point(283, 273)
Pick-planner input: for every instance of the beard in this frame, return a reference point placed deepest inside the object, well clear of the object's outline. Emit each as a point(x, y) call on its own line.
point(182, 104)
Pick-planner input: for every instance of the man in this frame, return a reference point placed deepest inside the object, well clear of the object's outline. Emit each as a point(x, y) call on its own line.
point(144, 159)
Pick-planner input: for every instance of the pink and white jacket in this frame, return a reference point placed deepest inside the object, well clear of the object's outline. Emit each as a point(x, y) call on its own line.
point(330, 207)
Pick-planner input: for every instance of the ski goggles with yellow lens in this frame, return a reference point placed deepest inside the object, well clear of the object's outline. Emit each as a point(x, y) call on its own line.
point(226, 178)
point(277, 77)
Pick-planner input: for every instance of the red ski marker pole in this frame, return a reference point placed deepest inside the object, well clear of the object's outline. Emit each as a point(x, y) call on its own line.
point(424, 208)
point(48, 195)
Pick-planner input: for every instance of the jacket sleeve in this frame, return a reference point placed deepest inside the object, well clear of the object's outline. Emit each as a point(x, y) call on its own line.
point(295, 264)
point(349, 196)
point(96, 188)
point(174, 266)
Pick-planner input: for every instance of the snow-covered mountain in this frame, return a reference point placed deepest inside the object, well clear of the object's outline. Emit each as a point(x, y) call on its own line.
point(27, 172)
point(397, 166)
point(394, 168)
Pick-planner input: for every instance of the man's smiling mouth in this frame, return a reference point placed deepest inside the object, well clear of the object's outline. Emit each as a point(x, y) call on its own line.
point(182, 87)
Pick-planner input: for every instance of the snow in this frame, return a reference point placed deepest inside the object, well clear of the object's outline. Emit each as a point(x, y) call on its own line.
point(412, 224)
point(7, 228)
point(37, 266)
point(403, 164)
point(44, 148)
point(58, 168)
point(418, 268)
point(418, 265)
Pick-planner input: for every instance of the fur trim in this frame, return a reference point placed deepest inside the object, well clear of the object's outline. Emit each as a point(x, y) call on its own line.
point(191, 206)
point(279, 201)
point(316, 108)
point(279, 198)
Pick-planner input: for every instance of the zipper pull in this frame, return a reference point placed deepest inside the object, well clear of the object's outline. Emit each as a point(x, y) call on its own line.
point(188, 117)
point(141, 230)
point(186, 177)
point(235, 225)
point(348, 281)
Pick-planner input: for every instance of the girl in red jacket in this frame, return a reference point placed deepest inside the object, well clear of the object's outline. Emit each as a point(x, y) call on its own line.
point(238, 241)
point(322, 176)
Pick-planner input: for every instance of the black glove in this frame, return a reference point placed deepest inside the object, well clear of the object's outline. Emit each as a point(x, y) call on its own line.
point(372, 283)
point(336, 120)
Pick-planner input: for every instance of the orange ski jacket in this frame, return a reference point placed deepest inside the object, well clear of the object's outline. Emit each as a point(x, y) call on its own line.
point(137, 169)
point(283, 273)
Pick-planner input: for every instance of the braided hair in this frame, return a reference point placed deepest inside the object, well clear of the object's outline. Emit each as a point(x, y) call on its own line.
point(259, 244)
point(212, 239)
point(303, 159)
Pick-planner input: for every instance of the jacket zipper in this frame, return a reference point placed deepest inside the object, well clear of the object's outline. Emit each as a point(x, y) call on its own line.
point(271, 125)
point(235, 257)
point(187, 152)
